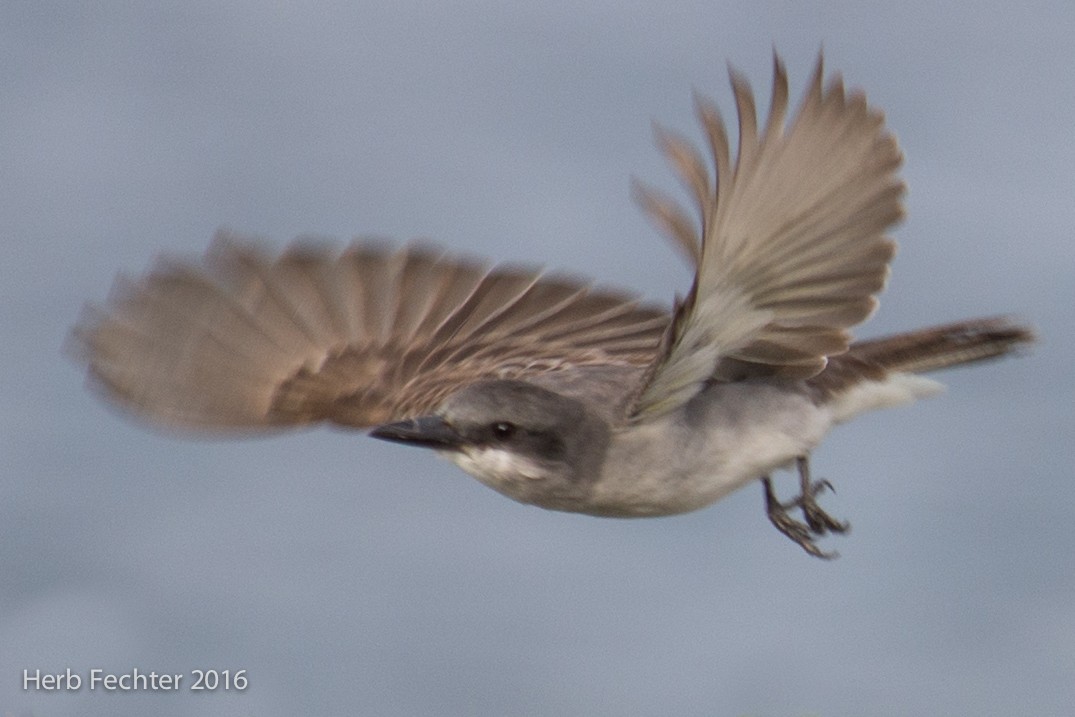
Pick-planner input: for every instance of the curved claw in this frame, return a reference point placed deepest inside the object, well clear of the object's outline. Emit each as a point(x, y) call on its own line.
point(817, 522)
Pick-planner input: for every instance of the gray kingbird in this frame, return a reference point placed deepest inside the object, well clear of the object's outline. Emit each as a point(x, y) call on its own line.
point(552, 391)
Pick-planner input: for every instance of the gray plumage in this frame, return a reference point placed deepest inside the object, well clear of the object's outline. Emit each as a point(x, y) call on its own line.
point(550, 390)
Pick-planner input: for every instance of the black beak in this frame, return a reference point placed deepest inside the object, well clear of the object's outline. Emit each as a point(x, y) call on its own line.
point(427, 432)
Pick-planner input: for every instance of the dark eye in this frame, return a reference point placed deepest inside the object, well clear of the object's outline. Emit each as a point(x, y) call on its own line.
point(502, 430)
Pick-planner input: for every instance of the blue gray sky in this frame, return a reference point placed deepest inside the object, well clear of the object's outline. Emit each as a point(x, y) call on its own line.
point(347, 576)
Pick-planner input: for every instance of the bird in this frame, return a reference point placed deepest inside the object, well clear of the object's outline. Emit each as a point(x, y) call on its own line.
point(555, 391)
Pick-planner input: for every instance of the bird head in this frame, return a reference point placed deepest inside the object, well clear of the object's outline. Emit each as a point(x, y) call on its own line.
point(525, 441)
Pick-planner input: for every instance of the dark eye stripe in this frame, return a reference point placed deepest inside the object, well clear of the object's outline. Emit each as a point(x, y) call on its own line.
point(503, 430)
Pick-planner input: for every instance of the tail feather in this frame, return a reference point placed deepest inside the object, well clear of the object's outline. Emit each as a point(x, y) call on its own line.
point(940, 347)
point(894, 360)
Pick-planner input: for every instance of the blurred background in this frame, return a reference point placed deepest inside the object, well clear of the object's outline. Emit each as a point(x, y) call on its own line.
point(350, 576)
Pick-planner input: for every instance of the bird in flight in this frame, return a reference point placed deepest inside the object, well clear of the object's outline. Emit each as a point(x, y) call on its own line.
point(552, 391)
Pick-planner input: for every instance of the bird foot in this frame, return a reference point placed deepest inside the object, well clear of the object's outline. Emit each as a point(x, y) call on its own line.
point(816, 523)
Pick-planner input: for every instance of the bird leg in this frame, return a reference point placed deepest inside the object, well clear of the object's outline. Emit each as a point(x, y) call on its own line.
point(817, 521)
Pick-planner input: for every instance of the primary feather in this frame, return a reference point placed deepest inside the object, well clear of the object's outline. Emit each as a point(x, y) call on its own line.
point(789, 246)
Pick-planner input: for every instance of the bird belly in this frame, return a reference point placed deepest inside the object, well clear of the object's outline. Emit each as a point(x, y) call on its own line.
point(730, 435)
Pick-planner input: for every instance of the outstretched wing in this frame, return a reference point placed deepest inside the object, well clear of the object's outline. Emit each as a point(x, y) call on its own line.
point(791, 248)
point(244, 339)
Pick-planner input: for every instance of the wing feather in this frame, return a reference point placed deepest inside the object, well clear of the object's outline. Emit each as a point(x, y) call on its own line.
point(791, 245)
point(245, 339)
point(787, 243)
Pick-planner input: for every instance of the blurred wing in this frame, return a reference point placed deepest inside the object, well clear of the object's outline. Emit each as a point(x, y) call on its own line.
point(791, 248)
point(244, 339)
